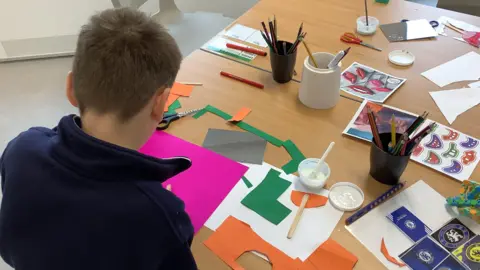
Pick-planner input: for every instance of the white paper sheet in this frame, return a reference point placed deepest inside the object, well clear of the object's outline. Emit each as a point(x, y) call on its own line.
point(246, 34)
point(314, 228)
point(459, 24)
point(423, 201)
point(454, 102)
point(463, 68)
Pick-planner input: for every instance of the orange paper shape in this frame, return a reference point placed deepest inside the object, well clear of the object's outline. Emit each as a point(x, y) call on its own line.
point(233, 238)
point(331, 255)
point(314, 200)
point(240, 114)
point(375, 107)
point(181, 89)
point(171, 98)
point(391, 259)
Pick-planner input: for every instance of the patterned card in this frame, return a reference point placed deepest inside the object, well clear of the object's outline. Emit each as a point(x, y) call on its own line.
point(450, 264)
point(445, 150)
point(453, 235)
point(425, 255)
point(469, 253)
point(409, 224)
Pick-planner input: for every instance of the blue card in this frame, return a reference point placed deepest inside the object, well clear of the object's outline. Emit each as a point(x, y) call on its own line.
point(425, 255)
point(450, 264)
point(409, 224)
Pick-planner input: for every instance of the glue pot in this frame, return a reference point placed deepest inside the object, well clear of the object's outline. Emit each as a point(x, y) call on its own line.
point(310, 179)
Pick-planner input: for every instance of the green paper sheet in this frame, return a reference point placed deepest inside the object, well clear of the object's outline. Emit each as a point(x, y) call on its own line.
point(247, 182)
point(263, 200)
point(297, 157)
point(269, 138)
point(174, 106)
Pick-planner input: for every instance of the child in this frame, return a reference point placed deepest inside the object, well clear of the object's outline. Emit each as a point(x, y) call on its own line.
point(80, 196)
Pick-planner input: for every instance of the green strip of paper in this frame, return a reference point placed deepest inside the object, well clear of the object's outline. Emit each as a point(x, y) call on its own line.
point(263, 200)
point(297, 157)
point(174, 106)
point(247, 182)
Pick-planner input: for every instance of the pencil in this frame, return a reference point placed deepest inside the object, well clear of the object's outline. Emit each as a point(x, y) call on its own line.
point(240, 79)
point(360, 213)
point(266, 32)
point(246, 49)
point(373, 127)
point(394, 131)
point(300, 30)
point(272, 34)
point(275, 26)
point(310, 54)
point(267, 40)
point(285, 48)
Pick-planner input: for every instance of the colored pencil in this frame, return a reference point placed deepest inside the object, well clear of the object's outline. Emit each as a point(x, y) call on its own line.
point(266, 32)
point(373, 127)
point(267, 40)
point(275, 27)
point(240, 79)
point(246, 49)
point(310, 54)
point(382, 198)
point(300, 30)
point(272, 34)
point(284, 48)
point(394, 131)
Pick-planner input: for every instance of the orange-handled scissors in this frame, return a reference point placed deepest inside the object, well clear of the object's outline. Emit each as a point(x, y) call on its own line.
point(353, 39)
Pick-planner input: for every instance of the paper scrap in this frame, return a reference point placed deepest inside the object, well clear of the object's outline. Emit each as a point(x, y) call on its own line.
point(372, 227)
point(246, 34)
point(263, 199)
point(171, 98)
point(463, 68)
point(237, 145)
point(297, 157)
point(269, 138)
point(174, 106)
point(233, 238)
point(194, 186)
point(181, 89)
point(459, 24)
point(385, 253)
point(454, 102)
point(241, 114)
point(314, 200)
point(474, 85)
point(319, 221)
point(247, 182)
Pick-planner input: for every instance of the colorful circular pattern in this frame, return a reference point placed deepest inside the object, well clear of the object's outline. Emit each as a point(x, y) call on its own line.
point(473, 253)
point(453, 235)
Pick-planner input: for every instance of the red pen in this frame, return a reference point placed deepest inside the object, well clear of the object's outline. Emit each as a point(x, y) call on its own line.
point(252, 83)
point(246, 49)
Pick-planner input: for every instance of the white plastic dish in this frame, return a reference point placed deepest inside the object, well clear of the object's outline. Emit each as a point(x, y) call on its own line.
point(346, 196)
point(401, 58)
point(306, 167)
point(364, 29)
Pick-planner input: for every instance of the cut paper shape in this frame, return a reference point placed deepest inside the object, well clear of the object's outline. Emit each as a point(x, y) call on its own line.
point(233, 238)
point(247, 182)
point(463, 68)
point(171, 98)
point(205, 184)
point(451, 136)
point(469, 157)
point(452, 151)
point(454, 102)
point(263, 200)
point(418, 151)
point(175, 106)
point(269, 138)
point(237, 145)
point(433, 158)
point(297, 157)
point(180, 89)
point(454, 168)
point(240, 115)
point(391, 259)
point(435, 142)
point(470, 143)
point(314, 200)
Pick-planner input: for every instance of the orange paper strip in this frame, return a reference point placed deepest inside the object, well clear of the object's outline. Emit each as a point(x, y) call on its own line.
point(181, 89)
point(233, 238)
point(240, 114)
point(314, 200)
point(170, 100)
point(391, 259)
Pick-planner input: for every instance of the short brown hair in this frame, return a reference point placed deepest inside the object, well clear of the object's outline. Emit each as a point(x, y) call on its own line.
point(122, 59)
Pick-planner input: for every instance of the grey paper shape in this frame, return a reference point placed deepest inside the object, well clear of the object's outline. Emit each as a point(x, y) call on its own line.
point(236, 145)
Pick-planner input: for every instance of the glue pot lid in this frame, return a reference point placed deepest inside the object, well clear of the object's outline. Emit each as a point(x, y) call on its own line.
point(401, 57)
point(346, 196)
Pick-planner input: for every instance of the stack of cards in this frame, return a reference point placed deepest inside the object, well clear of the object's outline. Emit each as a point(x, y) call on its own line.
point(453, 246)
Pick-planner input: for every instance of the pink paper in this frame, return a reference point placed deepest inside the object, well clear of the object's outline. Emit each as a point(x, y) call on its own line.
point(208, 181)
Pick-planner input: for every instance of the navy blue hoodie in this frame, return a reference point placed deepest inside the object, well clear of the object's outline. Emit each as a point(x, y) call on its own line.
point(71, 201)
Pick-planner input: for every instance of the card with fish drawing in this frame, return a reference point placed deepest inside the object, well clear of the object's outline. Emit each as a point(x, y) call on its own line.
point(369, 83)
point(445, 150)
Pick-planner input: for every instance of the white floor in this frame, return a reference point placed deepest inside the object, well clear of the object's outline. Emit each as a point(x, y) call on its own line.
point(32, 92)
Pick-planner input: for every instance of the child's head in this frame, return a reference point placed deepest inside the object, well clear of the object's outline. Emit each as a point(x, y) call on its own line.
point(123, 68)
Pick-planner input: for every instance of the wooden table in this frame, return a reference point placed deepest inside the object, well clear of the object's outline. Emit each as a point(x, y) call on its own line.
point(326, 20)
point(277, 111)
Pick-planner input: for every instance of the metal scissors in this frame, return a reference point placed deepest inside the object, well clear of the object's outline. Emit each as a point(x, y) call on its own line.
point(353, 39)
point(170, 117)
point(434, 24)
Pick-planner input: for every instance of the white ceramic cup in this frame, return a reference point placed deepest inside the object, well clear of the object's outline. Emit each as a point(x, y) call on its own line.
point(306, 167)
point(320, 87)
